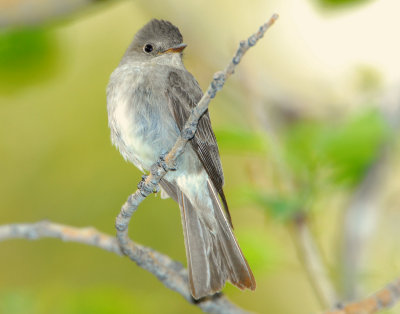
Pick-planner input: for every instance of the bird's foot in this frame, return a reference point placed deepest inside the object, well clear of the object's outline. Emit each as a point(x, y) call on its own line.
point(144, 188)
point(156, 189)
point(141, 184)
point(161, 162)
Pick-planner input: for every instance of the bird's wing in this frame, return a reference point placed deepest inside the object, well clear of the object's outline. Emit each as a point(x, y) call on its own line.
point(184, 93)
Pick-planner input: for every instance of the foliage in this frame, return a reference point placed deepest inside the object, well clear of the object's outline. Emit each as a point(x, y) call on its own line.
point(344, 149)
point(319, 154)
point(26, 55)
point(340, 3)
point(280, 206)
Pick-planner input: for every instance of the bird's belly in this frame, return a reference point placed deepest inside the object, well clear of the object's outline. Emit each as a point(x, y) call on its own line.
point(142, 137)
point(131, 141)
point(142, 126)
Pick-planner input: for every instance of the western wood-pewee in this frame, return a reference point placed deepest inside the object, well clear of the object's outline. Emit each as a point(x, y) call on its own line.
point(149, 97)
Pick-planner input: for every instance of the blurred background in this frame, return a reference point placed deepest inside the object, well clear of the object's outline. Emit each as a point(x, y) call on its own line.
point(307, 129)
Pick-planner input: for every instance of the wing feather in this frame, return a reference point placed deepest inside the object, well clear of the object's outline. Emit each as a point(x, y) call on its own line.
point(184, 93)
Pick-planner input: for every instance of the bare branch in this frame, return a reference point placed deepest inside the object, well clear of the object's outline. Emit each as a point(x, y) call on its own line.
point(383, 299)
point(363, 212)
point(46, 229)
point(27, 13)
point(313, 263)
point(165, 268)
point(359, 224)
point(308, 251)
point(164, 164)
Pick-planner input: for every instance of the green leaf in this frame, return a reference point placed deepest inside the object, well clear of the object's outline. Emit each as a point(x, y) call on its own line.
point(280, 207)
point(26, 55)
point(345, 149)
point(350, 149)
point(333, 4)
point(301, 145)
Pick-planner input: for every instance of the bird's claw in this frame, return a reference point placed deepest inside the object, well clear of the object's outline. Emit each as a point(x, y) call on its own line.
point(163, 164)
point(156, 189)
point(141, 183)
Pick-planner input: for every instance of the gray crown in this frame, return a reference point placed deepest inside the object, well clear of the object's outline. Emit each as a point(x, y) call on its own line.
point(159, 29)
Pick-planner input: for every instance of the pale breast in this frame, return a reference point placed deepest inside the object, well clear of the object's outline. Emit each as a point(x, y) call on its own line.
point(141, 124)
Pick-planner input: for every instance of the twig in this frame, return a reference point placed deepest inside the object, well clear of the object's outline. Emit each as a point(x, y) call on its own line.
point(307, 250)
point(46, 229)
point(160, 168)
point(362, 215)
point(383, 299)
point(17, 13)
point(312, 261)
point(359, 224)
point(166, 267)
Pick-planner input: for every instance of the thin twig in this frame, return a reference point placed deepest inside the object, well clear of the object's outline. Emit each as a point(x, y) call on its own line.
point(363, 212)
point(166, 267)
point(360, 220)
point(161, 167)
point(46, 229)
point(383, 299)
point(24, 13)
point(306, 245)
point(310, 255)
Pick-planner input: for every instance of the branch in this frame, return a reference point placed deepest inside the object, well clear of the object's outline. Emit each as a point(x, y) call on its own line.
point(308, 251)
point(167, 269)
point(359, 224)
point(17, 13)
point(383, 299)
point(150, 183)
point(46, 229)
point(362, 215)
point(312, 261)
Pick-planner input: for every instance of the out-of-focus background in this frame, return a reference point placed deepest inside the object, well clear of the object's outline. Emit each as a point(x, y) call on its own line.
point(307, 129)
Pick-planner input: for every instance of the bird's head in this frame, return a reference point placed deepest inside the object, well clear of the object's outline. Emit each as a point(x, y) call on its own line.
point(155, 39)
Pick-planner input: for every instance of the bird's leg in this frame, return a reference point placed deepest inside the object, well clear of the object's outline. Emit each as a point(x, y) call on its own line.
point(146, 189)
point(161, 162)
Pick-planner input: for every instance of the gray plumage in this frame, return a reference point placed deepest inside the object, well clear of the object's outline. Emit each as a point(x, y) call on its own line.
point(149, 98)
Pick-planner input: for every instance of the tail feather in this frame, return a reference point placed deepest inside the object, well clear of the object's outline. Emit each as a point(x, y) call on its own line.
point(212, 251)
point(204, 278)
point(239, 270)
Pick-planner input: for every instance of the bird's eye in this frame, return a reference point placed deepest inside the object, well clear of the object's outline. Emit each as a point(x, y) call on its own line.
point(148, 48)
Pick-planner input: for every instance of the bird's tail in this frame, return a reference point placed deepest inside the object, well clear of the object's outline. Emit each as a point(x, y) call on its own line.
point(212, 251)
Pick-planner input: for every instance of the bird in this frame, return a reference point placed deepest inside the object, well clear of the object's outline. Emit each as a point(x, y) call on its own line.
point(149, 97)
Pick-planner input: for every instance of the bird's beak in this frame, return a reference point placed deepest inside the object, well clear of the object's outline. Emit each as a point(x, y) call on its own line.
point(175, 49)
